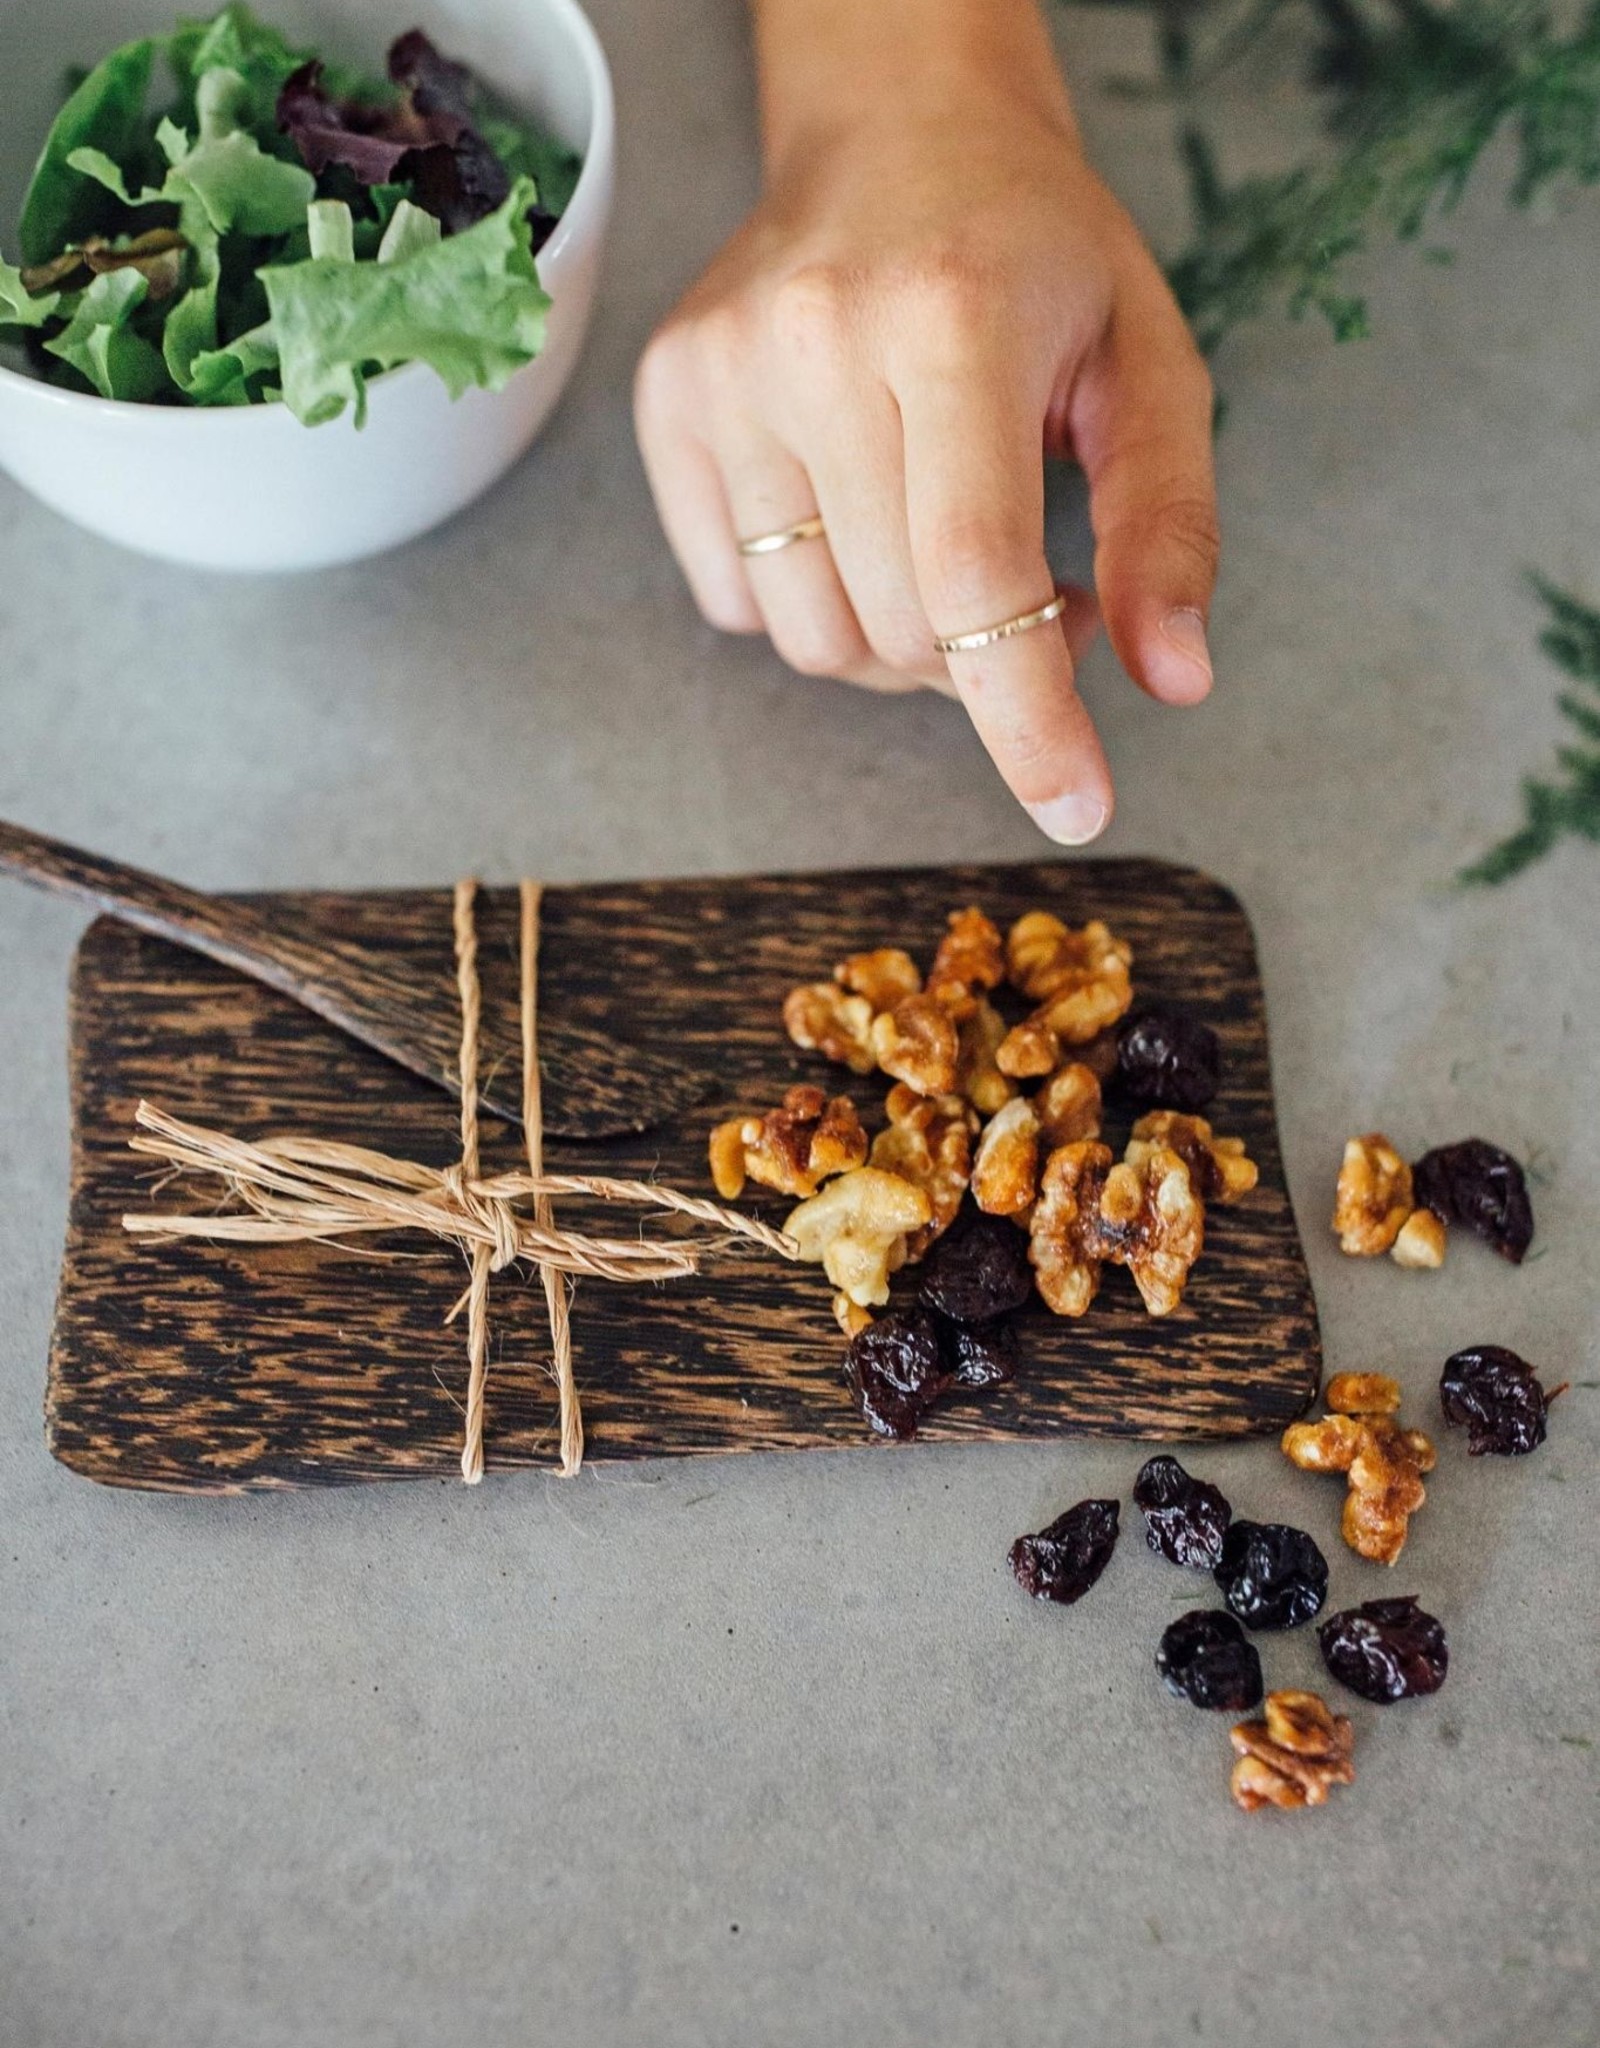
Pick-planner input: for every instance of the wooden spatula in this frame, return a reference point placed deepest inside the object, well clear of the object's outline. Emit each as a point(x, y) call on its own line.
point(594, 1086)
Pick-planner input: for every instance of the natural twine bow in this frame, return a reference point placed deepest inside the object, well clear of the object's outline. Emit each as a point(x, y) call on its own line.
point(298, 1190)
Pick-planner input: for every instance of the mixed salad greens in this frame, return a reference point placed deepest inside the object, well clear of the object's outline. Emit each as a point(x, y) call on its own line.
point(218, 218)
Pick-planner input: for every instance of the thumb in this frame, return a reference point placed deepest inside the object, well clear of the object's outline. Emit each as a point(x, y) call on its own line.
point(1141, 427)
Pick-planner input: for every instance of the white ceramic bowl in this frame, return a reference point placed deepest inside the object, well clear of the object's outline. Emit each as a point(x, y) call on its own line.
point(249, 487)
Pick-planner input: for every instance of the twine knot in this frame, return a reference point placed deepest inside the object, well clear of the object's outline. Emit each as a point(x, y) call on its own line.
point(300, 1189)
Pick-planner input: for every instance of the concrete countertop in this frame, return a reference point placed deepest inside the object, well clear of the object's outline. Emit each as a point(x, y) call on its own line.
point(772, 1750)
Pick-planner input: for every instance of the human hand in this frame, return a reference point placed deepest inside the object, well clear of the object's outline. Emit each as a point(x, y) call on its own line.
point(936, 291)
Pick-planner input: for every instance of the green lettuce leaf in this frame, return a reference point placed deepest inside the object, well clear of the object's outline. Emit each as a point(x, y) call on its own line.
point(411, 229)
point(254, 53)
point(105, 112)
point(470, 306)
point(100, 345)
point(221, 183)
point(18, 306)
point(224, 376)
point(529, 152)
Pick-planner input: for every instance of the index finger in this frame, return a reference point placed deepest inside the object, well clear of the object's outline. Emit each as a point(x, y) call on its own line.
point(975, 505)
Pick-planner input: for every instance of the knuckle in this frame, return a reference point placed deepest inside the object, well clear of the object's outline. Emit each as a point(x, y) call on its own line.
point(1188, 525)
point(813, 310)
point(904, 642)
point(972, 553)
point(816, 649)
point(948, 290)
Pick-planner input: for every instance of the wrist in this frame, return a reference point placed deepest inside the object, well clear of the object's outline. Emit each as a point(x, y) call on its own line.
point(832, 69)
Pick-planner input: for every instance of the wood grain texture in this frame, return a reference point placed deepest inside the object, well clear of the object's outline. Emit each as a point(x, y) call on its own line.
point(216, 1368)
point(595, 1082)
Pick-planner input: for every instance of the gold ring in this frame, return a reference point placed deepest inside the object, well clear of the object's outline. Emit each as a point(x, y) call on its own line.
point(1024, 622)
point(785, 537)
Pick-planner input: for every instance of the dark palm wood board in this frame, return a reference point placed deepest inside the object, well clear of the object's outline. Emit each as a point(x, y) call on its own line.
point(213, 1368)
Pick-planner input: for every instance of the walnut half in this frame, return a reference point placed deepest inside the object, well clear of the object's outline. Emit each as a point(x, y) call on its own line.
point(1384, 1462)
point(1373, 1199)
point(856, 1230)
point(1294, 1755)
point(793, 1148)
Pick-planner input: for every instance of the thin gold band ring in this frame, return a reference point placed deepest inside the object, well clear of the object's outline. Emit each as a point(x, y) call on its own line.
point(1024, 622)
point(785, 537)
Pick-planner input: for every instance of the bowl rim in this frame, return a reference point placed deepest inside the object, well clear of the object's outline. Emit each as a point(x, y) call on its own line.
point(594, 170)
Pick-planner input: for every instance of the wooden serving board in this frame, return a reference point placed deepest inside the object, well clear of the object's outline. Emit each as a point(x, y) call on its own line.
point(213, 1368)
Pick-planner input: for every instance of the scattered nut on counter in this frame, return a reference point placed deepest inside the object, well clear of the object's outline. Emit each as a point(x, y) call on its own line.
point(1384, 1463)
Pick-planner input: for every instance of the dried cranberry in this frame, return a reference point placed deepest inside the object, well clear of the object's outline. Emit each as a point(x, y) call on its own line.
point(1271, 1576)
point(1480, 1187)
point(980, 1354)
point(978, 1271)
point(1497, 1397)
point(1205, 1659)
point(1063, 1561)
point(1386, 1650)
point(1167, 1059)
point(1185, 1519)
point(894, 1369)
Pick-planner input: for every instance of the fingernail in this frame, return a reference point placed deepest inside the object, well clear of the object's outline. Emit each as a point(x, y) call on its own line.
point(1181, 660)
point(1070, 819)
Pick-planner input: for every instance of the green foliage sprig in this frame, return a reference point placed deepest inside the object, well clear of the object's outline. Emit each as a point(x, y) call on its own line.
point(1553, 811)
point(1413, 93)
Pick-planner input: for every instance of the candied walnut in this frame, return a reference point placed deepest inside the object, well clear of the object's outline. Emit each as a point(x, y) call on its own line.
point(1005, 1174)
point(1363, 1393)
point(1420, 1245)
point(1220, 1168)
point(917, 1043)
point(1028, 1050)
point(1064, 1225)
point(1373, 1198)
point(821, 1017)
point(969, 960)
point(1294, 1755)
point(851, 1317)
point(885, 977)
point(793, 1148)
point(978, 1077)
point(727, 1158)
point(1151, 1221)
point(1068, 1106)
point(856, 1229)
point(929, 1143)
point(1384, 1462)
point(1079, 979)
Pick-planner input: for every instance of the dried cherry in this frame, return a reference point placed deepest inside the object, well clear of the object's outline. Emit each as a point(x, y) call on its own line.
point(1271, 1576)
point(978, 1271)
point(1206, 1659)
point(1167, 1059)
point(1185, 1519)
point(1386, 1650)
point(1497, 1397)
point(896, 1371)
point(1063, 1561)
point(1480, 1187)
point(980, 1354)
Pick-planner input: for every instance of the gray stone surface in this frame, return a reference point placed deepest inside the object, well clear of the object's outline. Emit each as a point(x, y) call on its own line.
point(771, 1750)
